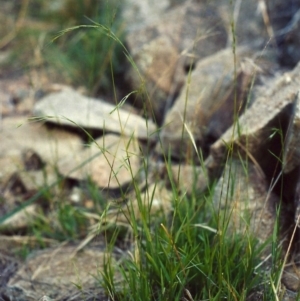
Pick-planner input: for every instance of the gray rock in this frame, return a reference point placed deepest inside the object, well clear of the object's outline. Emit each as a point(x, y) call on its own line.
point(189, 178)
point(258, 136)
point(291, 159)
point(262, 126)
point(155, 199)
point(264, 24)
point(160, 75)
point(291, 156)
point(288, 39)
point(191, 27)
point(57, 272)
point(164, 51)
point(291, 278)
point(244, 19)
point(140, 13)
point(21, 219)
point(110, 162)
point(18, 135)
point(206, 106)
point(73, 109)
point(242, 195)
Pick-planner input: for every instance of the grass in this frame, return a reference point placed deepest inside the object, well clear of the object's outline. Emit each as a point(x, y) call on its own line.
point(83, 58)
point(187, 256)
point(188, 253)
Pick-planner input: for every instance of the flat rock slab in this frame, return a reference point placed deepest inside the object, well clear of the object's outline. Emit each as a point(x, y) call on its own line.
point(110, 162)
point(68, 107)
point(17, 135)
point(59, 272)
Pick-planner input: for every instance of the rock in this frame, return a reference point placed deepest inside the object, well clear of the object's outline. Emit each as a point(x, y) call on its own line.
point(189, 178)
point(17, 242)
point(59, 272)
point(157, 62)
point(23, 197)
point(18, 135)
point(31, 160)
point(291, 158)
point(16, 96)
point(163, 52)
point(20, 220)
point(285, 21)
point(264, 24)
point(36, 179)
point(70, 108)
point(242, 195)
point(110, 162)
point(282, 13)
point(258, 137)
point(192, 28)
point(138, 14)
point(6, 105)
point(205, 107)
point(291, 278)
point(246, 20)
point(261, 128)
point(156, 200)
point(256, 24)
point(288, 41)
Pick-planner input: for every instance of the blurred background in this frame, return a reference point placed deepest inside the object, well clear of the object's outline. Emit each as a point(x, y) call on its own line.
point(85, 57)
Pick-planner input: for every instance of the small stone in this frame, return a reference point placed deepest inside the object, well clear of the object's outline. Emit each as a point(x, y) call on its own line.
point(20, 220)
point(31, 160)
point(110, 162)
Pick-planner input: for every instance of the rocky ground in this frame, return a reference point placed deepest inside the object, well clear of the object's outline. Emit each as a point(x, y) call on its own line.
point(197, 93)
